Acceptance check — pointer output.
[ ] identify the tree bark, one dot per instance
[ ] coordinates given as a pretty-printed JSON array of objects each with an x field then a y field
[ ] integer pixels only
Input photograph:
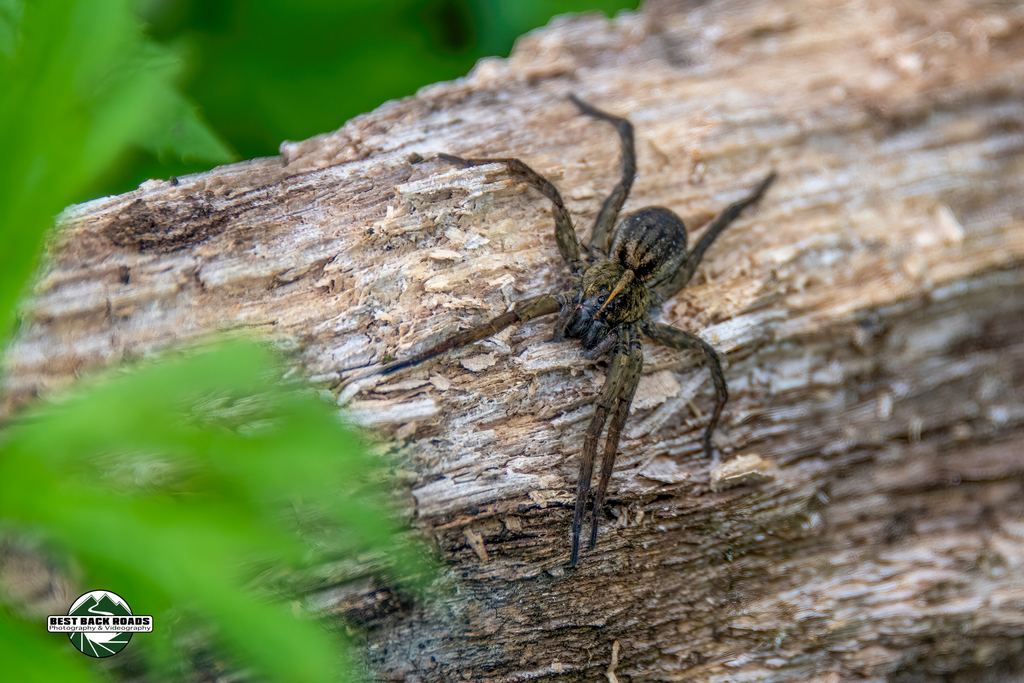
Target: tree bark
[{"x": 870, "y": 315}]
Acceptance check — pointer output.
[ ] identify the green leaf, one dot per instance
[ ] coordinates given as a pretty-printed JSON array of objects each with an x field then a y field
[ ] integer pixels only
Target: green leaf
[
  {"x": 179, "y": 131},
  {"x": 79, "y": 85},
  {"x": 30, "y": 655},
  {"x": 216, "y": 452},
  {"x": 10, "y": 20}
]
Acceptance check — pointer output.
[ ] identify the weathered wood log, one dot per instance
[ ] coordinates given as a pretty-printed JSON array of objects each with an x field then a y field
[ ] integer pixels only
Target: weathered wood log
[{"x": 870, "y": 313}]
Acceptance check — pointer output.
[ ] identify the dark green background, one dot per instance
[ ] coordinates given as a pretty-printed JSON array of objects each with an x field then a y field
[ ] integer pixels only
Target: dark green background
[{"x": 264, "y": 71}]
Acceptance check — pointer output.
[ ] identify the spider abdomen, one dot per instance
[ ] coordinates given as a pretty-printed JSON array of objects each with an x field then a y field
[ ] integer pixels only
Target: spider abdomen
[{"x": 651, "y": 242}]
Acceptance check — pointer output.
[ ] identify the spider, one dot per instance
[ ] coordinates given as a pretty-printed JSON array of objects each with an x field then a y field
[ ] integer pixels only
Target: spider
[{"x": 612, "y": 298}]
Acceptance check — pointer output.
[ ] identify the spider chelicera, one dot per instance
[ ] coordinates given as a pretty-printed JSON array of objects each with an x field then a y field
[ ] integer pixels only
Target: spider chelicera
[{"x": 612, "y": 298}]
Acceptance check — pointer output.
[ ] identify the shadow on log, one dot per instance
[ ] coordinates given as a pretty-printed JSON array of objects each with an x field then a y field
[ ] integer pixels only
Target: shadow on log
[{"x": 870, "y": 313}]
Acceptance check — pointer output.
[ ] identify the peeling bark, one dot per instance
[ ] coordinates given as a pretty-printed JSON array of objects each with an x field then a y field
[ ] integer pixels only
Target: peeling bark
[{"x": 870, "y": 315}]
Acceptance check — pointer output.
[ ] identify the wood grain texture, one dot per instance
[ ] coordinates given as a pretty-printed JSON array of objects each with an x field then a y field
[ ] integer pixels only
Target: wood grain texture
[{"x": 870, "y": 315}]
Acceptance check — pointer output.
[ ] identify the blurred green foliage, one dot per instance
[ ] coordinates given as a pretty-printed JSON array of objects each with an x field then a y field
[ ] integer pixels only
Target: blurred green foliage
[
  {"x": 165, "y": 484},
  {"x": 264, "y": 71},
  {"x": 79, "y": 83}
]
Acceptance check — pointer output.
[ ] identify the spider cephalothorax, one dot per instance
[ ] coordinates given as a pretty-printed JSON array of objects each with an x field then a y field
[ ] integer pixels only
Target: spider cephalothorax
[{"x": 612, "y": 297}]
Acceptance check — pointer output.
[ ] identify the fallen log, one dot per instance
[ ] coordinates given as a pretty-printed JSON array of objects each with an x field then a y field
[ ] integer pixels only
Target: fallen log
[{"x": 870, "y": 314}]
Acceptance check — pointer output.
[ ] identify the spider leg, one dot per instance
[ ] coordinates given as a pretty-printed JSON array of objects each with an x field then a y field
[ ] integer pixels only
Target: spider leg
[
  {"x": 565, "y": 234},
  {"x": 627, "y": 360},
  {"x": 684, "y": 341},
  {"x": 722, "y": 220},
  {"x": 586, "y": 472},
  {"x": 524, "y": 310},
  {"x": 600, "y": 237},
  {"x": 611, "y": 447}
]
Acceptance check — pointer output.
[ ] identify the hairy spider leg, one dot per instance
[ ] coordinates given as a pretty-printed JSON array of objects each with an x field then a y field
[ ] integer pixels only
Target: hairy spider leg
[
  {"x": 615, "y": 425},
  {"x": 524, "y": 310},
  {"x": 624, "y": 370},
  {"x": 674, "y": 338},
  {"x": 720, "y": 223},
  {"x": 601, "y": 235},
  {"x": 565, "y": 234}
]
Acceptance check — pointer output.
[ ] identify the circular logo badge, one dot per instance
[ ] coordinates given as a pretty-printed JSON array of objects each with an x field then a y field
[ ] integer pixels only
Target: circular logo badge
[{"x": 100, "y": 624}]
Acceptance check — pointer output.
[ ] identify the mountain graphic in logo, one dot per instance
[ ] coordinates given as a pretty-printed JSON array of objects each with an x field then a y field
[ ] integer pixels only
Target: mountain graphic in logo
[
  {"x": 107, "y": 604},
  {"x": 100, "y": 604}
]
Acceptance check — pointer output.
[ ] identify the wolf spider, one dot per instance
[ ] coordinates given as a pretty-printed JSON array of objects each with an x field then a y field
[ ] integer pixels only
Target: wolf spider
[{"x": 612, "y": 297}]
